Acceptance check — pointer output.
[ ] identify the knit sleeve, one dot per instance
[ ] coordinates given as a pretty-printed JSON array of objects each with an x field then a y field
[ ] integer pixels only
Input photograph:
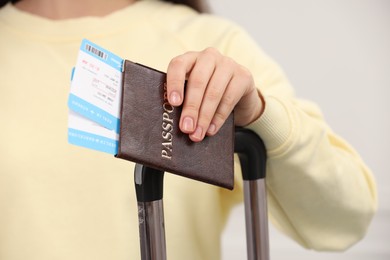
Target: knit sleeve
[{"x": 320, "y": 192}]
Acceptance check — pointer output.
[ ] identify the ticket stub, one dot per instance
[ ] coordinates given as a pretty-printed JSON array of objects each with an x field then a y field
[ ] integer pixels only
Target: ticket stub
[
  {"x": 96, "y": 85},
  {"x": 94, "y": 99},
  {"x": 87, "y": 133}
]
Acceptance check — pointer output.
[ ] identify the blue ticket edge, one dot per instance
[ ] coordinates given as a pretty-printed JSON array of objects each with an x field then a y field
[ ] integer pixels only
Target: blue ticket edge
[
  {"x": 87, "y": 109},
  {"x": 92, "y": 141},
  {"x": 93, "y": 113}
]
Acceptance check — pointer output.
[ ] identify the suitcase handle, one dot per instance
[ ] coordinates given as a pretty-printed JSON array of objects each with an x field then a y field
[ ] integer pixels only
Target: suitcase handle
[
  {"x": 253, "y": 157},
  {"x": 149, "y": 189}
]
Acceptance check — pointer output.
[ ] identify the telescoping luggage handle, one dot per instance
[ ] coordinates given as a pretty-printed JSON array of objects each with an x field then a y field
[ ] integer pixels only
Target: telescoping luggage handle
[
  {"x": 149, "y": 190},
  {"x": 251, "y": 151}
]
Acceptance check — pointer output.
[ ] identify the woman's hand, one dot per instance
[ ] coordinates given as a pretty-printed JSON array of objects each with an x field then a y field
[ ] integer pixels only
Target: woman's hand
[{"x": 216, "y": 85}]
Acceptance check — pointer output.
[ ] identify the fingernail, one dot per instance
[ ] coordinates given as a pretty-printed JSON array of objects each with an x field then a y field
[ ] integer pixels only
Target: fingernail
[
  {"x": 211, "y": 129},
  {"x": 174, "y": 98},
  {"x": 188, "y": 124},
  {"x": 198, "y": 133}
]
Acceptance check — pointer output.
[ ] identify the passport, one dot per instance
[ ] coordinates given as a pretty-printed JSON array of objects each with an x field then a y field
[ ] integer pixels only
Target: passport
[{"x": 150, "y": 135}]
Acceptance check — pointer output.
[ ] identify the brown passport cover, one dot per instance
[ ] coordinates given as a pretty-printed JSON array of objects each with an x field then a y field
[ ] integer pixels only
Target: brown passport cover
[{"x": 150, "y": 135}]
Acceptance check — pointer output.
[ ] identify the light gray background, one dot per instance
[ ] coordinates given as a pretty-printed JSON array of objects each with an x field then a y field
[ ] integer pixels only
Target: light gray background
[{"x": 336, "y": 53}]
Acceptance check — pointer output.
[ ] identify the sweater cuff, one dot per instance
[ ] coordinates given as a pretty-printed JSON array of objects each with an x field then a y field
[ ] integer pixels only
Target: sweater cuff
[{"x": 275, "y": 125}]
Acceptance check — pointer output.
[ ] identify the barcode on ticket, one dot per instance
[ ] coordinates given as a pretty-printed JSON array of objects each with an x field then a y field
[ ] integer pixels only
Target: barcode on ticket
[{"x": 96, "y": 51}]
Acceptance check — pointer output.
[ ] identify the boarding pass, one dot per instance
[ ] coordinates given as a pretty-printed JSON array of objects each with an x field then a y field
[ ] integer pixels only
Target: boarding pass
[{"x": 94, "y": 99}]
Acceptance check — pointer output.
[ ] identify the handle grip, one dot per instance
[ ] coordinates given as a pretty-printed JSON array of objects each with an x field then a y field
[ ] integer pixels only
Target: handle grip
[
  {"x": 148, "y": 183},
  {"x": 252, "y": 153}
]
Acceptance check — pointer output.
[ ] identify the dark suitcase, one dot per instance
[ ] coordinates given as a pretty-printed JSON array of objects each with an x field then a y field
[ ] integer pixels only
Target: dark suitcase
[{"x": 149, "y": 190}]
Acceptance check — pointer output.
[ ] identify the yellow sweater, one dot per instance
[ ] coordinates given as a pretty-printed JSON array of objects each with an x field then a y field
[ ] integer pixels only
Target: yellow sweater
[{"x": 59, "y": 201}]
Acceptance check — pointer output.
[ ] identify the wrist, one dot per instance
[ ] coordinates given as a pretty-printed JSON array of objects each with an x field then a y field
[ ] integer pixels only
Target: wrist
[
  {"x": 259, "y": 109},
  {"x": 262, "y": 102}
]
